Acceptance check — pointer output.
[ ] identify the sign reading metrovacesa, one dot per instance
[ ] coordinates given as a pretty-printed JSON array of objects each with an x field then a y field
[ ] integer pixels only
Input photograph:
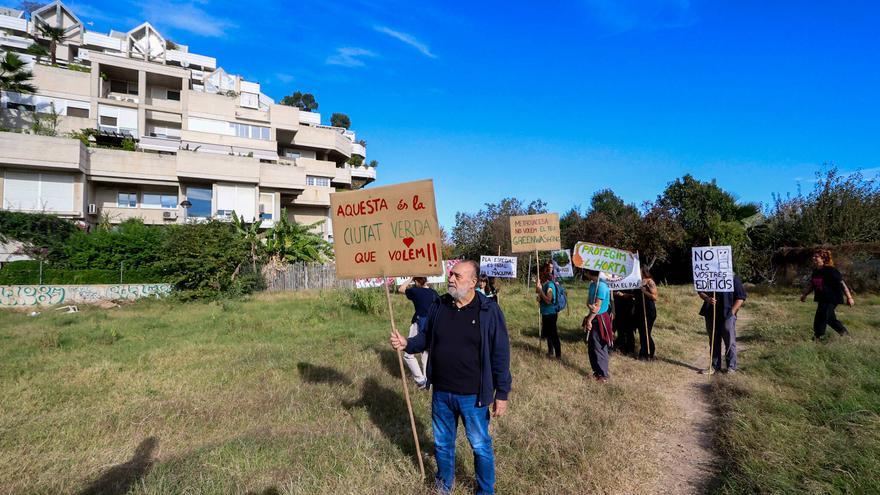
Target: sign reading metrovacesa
[
  {"x": 386, "y": 231},
  {"x": 498, "y": 266},
  {"x": 617, "y": 263},
  {"x": 535, "y": 232},
  {"x": 713, "y": 268}
]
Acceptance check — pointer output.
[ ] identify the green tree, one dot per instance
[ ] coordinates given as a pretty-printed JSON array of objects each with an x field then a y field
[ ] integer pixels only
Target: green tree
[
  {"x": 288, "y": 242},
  {"x": 14, "y": 75},
  {"x": 340, "y": 120},
  {"x": 304, "y": 101},
  {"x": 45, "y": 124},
  {"x": 55, "y": 35},
  {"x": 250, "y": 232},
  {"x": 38, "y": 51},
  {"x": 45, "y": 236},
  {"x": 131, "y": 243},
  {"x": 484, "y": 232},
  {"x": 206, "y": 258}
]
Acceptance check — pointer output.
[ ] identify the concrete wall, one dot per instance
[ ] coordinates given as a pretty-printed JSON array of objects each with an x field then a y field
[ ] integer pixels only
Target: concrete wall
[
  {"x": 63, "y": 83},
  {"x": 12, "y": 296}
]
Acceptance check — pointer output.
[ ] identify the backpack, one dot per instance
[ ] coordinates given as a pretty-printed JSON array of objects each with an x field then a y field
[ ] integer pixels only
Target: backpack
[{"x": 561, "y": 297}]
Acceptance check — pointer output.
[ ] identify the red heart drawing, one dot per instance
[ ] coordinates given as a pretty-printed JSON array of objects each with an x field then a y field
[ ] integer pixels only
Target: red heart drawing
[{"x": 408, "y": 241}]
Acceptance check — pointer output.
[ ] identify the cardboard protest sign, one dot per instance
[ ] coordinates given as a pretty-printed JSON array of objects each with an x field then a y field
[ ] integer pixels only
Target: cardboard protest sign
[
  {"x": 562, "y": 267},
  {"x": 450, "y": 264},
  {"x": 535, "y": 232},
  {"x": 616, "y": 263},
  {"x": 713, "y": 268},
  {"x": 498, "y": 266},
  {"x": 631, "y": 281},
  {"x": 385, "y": 231}
]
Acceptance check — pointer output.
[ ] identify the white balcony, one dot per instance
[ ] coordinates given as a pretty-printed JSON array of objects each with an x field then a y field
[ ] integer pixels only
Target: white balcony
[
  {"x": 14, "y": 23},
  {"x": 187, "y": 59},
  {"x": 358, "y": 149},
  {"x": 13, "y": 41},
  {"x": 311, "y": 118},
  {"x": 363, "y": 172},
  {"x": 102, "y": 40}
]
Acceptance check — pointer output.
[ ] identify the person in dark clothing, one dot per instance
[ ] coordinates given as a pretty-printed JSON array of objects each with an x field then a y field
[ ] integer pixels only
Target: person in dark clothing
[
  {"x": 547, "y": 292},
  {"x": 726, "y": 306},
  {"x": 646, "y": 314},
  {"x": 624, "y": 321},
  {"x": 826, "y": 282},
  {"x": 469, "y": 369},
  {"x": 422, "y": 298}
]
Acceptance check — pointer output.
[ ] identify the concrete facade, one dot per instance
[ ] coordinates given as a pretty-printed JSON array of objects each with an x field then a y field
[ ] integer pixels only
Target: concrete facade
[{"x": 202, "y": 136}]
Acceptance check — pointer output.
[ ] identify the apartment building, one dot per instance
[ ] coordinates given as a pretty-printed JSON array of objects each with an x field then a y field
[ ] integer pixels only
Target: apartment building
[{"x": 177, "y": 138}]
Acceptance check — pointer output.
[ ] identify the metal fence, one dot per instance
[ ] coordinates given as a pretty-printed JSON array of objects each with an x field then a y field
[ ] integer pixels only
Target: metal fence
[{"x": 302, "y": 276}]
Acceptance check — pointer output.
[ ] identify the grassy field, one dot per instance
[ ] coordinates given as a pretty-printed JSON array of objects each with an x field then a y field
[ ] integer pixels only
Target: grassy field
[{"x": 300, "y": 393}]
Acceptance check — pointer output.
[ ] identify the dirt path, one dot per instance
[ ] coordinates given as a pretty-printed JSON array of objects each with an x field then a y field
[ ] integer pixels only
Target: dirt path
[{"x": 685, "y": 457}]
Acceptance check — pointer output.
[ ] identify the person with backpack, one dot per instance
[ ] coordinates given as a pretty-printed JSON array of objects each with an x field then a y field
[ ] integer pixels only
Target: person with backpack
[
  {"x": 597, "y": 324},
  {"x": 548, "y": 298}
]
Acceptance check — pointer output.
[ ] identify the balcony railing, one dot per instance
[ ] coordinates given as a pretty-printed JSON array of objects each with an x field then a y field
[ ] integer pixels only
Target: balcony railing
[{"x": 15, "y": 23}]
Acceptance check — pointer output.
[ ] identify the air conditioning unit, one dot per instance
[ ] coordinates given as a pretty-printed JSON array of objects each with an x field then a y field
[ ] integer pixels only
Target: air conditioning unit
[
  {"x": 93, "y": 209},
  {"x": 169, "y": 215}
]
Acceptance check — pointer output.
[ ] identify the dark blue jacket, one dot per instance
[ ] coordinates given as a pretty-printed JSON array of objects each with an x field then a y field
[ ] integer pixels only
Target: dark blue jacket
[{"x": 495, "y": 376}]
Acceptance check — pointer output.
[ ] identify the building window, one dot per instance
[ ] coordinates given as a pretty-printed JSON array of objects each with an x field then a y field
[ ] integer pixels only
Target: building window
[
  {"x": 159, "y": 200},
  {"x": 267, "y": 206},
  {"x": 106, "y": 120},
  {"x": 27, "y": 191},
  {"x": 126, "y": 200},
  {"x": 21, "y": 106},
  {"x": 174, "y": 95},
  {"x": 317, "y": 181},
  {"x": 78, "y": 112},
  {"x": 250, "y": 131},
  {"x": 201, "y": 199},
  {"x": 292, "y": 154},
  {"x": 239, "y": 198},
  {"x": 124, "y": 87}
]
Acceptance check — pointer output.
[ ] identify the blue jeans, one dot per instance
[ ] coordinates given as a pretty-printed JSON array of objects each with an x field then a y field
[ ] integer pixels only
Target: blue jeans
[{"x": 446, "y": 408}]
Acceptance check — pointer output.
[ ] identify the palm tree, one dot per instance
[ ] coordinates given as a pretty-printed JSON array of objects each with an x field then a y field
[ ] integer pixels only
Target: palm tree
[
  {"x": 288, "y": 242},
  {"x": 55, "y": 35},
  {"x": 251, "y": 234},
  {"x": 14, "y": 75}
]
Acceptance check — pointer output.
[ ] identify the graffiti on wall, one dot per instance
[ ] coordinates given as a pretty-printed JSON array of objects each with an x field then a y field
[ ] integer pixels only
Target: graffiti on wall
[{"x": 48, "y": 295}]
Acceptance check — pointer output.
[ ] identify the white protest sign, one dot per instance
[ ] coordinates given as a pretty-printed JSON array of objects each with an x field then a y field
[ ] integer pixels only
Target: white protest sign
[
  {"x": 631, "y": 281},
  {"x": 713, "y": 268},
  {"x": 498, "y": 266},
  {"x": 617, "y": 263},
  {"x": 434, "y": 279},
  {"x": 369, "y": 283},
  {"x": 562, "y": 266}
]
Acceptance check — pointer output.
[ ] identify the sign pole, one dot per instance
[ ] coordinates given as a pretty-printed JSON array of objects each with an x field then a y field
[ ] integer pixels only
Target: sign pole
[
  {"x": 645, "y": 313},
  {"x": 538, "y": 278},
  {"x": 412, "y": 420},
  {"x": 712, "y": 335}
]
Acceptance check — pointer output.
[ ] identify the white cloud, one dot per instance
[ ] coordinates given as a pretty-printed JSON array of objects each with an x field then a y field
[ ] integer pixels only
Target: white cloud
[
  {"x": 408, "y": 39},
  {"x": 349, "y": 57},
  {"x": 185, "y": 16},
  {"x": 285, "y": 78}
]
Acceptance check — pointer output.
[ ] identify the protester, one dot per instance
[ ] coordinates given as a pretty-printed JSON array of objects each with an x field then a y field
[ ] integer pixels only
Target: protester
[
  {"x": 548, "y": 293},
  {"x": 490, "y": 290},
  {"x": 829, "y": 290},
  {"x": 469, "y": 368},
  {"x": 624, "y": 321},
  {"x": 646, "y": 314},
  {"x": 597, "y": 324},
  {"x": 727, "y": 305},
  {"x": 422, "y": 298}
]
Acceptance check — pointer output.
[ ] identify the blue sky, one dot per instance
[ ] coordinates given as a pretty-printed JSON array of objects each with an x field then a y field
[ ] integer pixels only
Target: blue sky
[{"x": 555, "y": 100}]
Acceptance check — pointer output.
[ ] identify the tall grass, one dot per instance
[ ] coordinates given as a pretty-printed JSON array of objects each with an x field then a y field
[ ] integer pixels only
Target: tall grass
[{"x": 299, "y": 393}]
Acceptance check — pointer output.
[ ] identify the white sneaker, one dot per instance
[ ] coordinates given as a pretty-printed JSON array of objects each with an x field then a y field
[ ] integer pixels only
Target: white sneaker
[{"x": 422, "y": 385}]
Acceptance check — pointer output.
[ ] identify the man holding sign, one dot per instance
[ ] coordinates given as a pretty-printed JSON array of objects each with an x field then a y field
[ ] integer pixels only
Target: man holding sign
[
  {"x": 469, "y": 368},
  {"x": 722, "y": 291}
]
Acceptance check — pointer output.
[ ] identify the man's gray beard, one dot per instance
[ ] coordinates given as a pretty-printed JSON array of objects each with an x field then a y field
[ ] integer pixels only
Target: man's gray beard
[{"x": 457, "y": 294}]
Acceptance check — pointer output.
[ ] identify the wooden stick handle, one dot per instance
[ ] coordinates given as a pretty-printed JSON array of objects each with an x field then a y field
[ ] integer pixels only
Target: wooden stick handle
[{"x": 412, "y": 419}]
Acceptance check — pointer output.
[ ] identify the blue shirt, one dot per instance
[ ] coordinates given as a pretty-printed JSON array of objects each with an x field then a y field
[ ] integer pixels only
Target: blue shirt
[
  {"x": 422, "y": 298},
  {"x": 604, "y": 294},
  {"x": 549, "y": 308}
]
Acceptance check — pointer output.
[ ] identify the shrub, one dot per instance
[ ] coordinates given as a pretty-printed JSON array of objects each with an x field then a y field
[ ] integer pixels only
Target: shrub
[
  {"x": 47, "y": 234},
  {"x": 369, "y": 301},
  {"x": 206, "y": 258}
]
